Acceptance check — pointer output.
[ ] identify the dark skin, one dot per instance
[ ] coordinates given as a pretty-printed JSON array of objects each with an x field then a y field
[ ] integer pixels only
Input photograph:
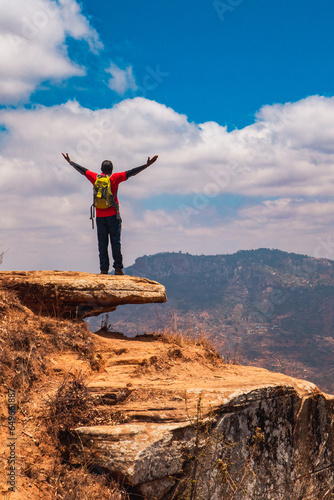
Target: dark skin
[{"x": 148, "y": 163}]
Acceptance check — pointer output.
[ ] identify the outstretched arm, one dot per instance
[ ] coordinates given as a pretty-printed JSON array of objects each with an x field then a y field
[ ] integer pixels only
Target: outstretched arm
[
  {"x": 79, "y": 168},
  {"x": 135, "y": 171}
]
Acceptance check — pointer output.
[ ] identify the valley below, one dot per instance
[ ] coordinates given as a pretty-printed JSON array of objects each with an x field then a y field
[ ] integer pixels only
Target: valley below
[{"x": 264, "y": 308}]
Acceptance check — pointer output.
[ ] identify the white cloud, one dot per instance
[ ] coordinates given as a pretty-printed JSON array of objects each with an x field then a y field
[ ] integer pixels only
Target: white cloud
[
  {"x": 77, "y": 25},
  {"x": 33, "y": 44},
  {"x": 122, "y": 79},
  {"x": 286, "y": 158},
  {"x": 300, "y": 226}
]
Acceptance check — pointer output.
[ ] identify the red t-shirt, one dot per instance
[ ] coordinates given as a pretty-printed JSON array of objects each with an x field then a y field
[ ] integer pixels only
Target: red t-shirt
[{"x": 115, "y": 180}]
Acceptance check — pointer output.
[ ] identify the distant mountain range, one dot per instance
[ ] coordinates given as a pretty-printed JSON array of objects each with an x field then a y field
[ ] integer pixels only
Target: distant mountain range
[{"x": 262, "y": 307}]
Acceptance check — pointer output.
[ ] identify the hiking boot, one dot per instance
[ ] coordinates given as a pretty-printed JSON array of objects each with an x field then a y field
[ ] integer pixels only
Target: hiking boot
[
  {"x": 104, "y": 272},
  {"x": 119, "y": 271}
]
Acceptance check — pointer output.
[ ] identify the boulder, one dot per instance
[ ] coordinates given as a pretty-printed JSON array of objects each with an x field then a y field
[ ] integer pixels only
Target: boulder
[
  {"x": 75, "y": 294},
  {"x": 194, "y": 427}
]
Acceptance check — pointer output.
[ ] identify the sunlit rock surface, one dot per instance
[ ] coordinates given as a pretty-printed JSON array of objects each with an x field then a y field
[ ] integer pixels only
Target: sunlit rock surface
[
  {"x": 191, "y": 421},
  {"x": 74, "y": 294}
]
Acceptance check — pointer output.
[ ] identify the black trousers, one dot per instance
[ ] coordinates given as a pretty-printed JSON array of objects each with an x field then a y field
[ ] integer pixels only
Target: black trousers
[{"x": 109, "y": 227}]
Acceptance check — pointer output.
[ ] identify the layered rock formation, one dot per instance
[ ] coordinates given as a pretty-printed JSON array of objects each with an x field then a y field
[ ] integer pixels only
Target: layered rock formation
[
  {"x": 170, "y": 418},
  {"x": 73, "y": 294},
  {"x": 195, "y": 426}
]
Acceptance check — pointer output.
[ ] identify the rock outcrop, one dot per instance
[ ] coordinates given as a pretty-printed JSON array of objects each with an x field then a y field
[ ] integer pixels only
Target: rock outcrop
[
  {"x": 164, "y": 414},
  {"x": 74, "y": 294},
  {"x": 195, "y": 426}
]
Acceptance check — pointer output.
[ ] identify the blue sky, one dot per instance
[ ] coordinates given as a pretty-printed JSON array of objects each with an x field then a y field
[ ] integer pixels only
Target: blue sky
[
  {"x": 236, "y": 97},
  {"x": 222, "y": 65}
]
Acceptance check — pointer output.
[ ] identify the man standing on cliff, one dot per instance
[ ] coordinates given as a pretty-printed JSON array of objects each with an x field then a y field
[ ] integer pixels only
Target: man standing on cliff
[{"x": 108, "y": 220}]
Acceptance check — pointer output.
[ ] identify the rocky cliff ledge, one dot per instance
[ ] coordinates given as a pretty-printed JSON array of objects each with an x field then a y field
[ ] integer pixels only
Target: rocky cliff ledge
[
  {"x": 194, "y": 427},
  {"x": 73, "y": 294},
  {"x": 163, "y": 414}
]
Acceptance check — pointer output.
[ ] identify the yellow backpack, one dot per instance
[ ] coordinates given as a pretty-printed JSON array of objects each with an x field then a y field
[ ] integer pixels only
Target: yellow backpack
[{"x": 103, "y": 197}]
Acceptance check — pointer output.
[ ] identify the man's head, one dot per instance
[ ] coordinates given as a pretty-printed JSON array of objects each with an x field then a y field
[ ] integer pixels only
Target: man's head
[{"x": 107, "y": 167}]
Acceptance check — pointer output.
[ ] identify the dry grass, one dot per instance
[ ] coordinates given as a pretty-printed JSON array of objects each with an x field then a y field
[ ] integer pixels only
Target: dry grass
[
  {"x": 70, "y": 407},
  {"x": 27, "y": 341},
  {"x": 83, "y": 484},
  {"x": 73, "y": 406},
  {"x": 188, "y": 338}
]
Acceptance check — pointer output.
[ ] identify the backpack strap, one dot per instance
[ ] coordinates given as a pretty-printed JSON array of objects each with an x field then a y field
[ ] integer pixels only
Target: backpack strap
[{"x": 92, "y": 213}]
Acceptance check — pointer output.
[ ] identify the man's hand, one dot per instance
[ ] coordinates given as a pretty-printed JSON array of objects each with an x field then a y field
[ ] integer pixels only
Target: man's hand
[
  {"x": 67, "y": 158},
  {"x": 149, "y": 161}
]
